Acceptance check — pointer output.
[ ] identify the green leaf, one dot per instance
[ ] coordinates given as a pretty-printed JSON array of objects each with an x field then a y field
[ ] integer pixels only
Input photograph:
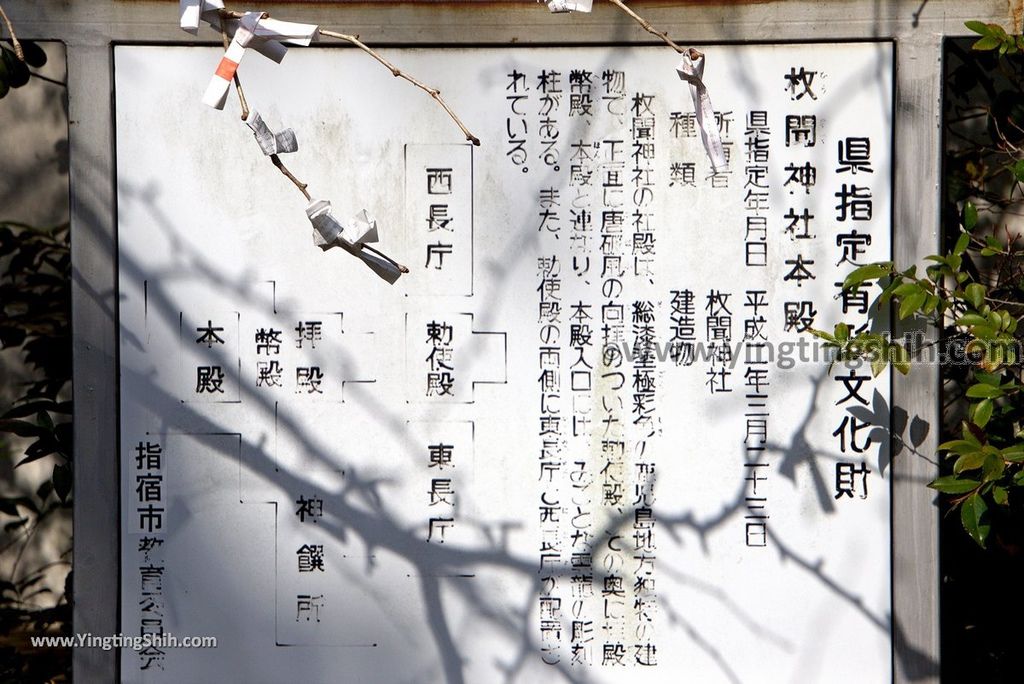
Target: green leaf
[
  {"x": 906, "y": 289},
  {"x": 994, "y": 358},
  {"x": 971, "y": 461},
  {"x": 975, "y": 294},
  {"x": 951, "y": 484},
  {"x": 43, "y": 420},
  {"x": 888, "y": 292},
  {"x": 983, "y": 332},
  {"x": 27, "y": 409},
  {"x": 987, "y": 43},
  {"x": 978, "y": 27},
  {"x": 62, "y": 481},
  {"x": 993, "y": 468},
  {"x": 972, "y": 512},
  {"x": 1008, "y": 320},
  {"x": 878, "y": 364},
  {"x": 970, "y": 216},
  {"x": 972, "y": 319},
  {"x": 868, "y": 272},
  {"x": 1000, "y": 495},
  {"x": 17, "y": 71},
  {"x": 822, "y": 335},
  {"x": 1013, "y": 454},
  {"x": 961, "y": 245},
  {"x": 983, "y": 412},
  {"x": 21, "y": 428},
  {"x": 1018, "y": 173},
  {"x": 35, "y": 454},
  {"x": 900, "y": 358},
  {"x": 34, "y": 55},
  {"x": 959, "y": 446},
  {"x": 971, "y": 434},
  {"x": 911, "y": 304},
  {"x": 983, "y": 391},
  {"x": 988, "y": 378}
]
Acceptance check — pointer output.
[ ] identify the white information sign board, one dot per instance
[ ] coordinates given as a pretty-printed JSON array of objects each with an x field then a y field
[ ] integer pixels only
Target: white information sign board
[{"x": 587, "y": 438}]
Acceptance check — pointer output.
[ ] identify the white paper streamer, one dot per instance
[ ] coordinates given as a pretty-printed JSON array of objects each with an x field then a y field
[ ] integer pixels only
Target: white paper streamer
[
  {"x": 327, "y": 233},
  {"x": 290, "y": 32},
  {"x": 560, "y": 6},
  {"x": 190, "y": 12},
  {"x": 692, "y": 71},
  {"x": 326, "y": 229},
  {"x": 382, "y": 267},
  {"x": 270, "y": 142},
  {"x": 217, "y": 92},
  {"x": 269, "y": 37},
  {"x": 363, "y": 227}
]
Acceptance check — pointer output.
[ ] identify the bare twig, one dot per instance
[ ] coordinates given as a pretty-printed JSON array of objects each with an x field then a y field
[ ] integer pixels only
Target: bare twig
[
  {"x": 395, "y": 71},
  {"x": 694, "y": 54},
  {"x": 14, "y": 39},
  {"x": 302, "y": 188},
  {"x": 996, "y": 300},
  {"x": 48, "y": 79},
  {"x": 241, "y": 98},
  {"x": 288, "y": 174},
  {"x": 916, "y": 16},
  {"x": 21, "y": 552}
]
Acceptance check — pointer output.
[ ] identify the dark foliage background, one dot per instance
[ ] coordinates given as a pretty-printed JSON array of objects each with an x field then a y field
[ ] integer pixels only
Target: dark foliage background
[
  {"x": 35, "y": 321},
  {"x": 35, "y": 409},
  {"x": 984, "y": 165}
]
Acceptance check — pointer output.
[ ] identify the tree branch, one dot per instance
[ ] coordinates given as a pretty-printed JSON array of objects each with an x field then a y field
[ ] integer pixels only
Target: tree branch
[
  {"x": 276, "y": 159},
  {"x": 395, "y": 71},
  {"x": 288, "y": 174},
  {"x": 14, "y": 39},
  {"x": 48, "y": 79},
  {"x": 694, "y": 54}
]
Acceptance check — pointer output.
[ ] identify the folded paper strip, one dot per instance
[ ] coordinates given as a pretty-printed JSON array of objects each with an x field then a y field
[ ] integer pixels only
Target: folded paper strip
[
  {"x": 691, "y": 70},
  {"x": 191, "y": 12},
  {"x": 270, "y": 142},
  {"x": 268, "y": 38},
  {"x": 217, "y": 91},
  {"x": 361, "y": 230},
  {"x": 559, "y": 6}
]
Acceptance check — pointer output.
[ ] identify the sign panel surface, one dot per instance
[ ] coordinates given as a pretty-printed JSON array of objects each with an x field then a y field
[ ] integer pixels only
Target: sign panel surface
[{"x": 587, "y": 438}]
